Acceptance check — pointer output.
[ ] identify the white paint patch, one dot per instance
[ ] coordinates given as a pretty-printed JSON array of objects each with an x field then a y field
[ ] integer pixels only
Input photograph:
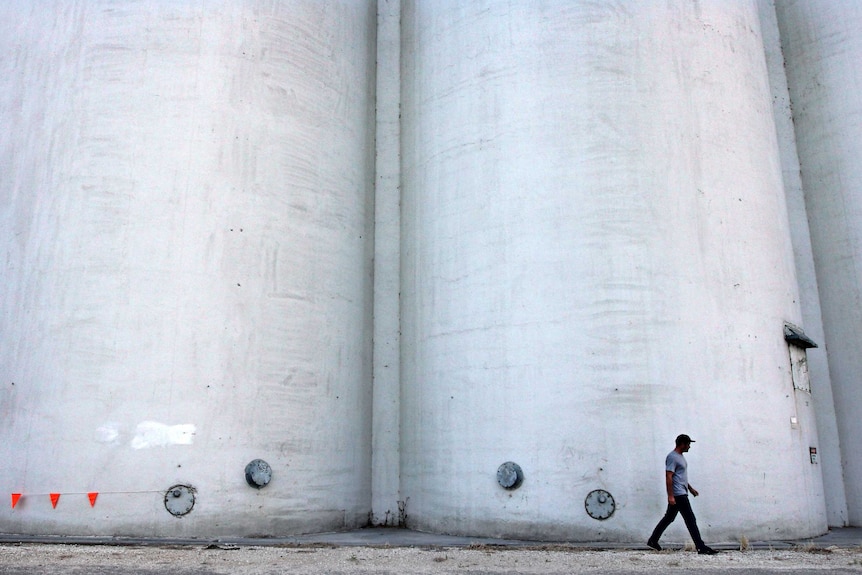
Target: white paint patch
[
  {"x": 108, "y": 433},
  {"x": 155, "y": 434}
]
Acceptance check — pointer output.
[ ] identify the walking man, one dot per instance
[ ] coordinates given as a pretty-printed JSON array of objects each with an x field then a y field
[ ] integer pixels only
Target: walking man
[{"x": 678, "y": 488}]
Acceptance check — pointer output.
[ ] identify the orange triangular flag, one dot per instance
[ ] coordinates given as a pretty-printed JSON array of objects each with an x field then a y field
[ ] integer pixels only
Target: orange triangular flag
[
  {"x": 15, "y": 498},
  {"x": 55, "y": 497},
  {"x": 92, "y": 495}
]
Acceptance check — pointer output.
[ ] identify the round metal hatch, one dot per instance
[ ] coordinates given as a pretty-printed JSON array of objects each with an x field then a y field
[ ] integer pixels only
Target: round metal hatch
[
  {"x": 599, "y": 504},
  {"x": 510, "y": 476},
  {"x": 179, "y": 500},
  {"x": 258, "y": 473}
]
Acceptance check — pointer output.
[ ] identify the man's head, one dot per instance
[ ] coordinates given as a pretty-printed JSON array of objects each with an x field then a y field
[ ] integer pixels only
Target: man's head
[{"x": 683, "y": 442}]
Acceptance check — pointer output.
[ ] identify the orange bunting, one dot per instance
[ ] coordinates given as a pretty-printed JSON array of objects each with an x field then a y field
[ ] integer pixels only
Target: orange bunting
[
  {"x": 15, "y": 498},
  {"x": 92, "y": 495},
  {"x": 55, "y": 497}
]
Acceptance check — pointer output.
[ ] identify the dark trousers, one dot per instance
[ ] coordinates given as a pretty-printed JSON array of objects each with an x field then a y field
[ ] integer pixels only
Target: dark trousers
[{"x": 683, "y": 507}]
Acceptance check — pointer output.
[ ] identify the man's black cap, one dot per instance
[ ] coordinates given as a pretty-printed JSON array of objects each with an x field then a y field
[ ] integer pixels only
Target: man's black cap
[{"x": 683, "y": 439}]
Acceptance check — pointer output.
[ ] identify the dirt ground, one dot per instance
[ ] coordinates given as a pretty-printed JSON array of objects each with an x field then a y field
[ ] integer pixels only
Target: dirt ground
[{"x": 313, "y": 559}]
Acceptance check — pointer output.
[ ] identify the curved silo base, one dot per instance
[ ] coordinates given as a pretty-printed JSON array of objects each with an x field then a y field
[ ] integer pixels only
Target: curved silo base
[
  {"x": 596, "y": 258},
  {"x": 187, "y": 274}
]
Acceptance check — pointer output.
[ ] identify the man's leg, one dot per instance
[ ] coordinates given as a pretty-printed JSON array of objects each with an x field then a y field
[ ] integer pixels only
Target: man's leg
[
  {"x": 687, "y": 513},
  {"x": 663, "y": 524}
]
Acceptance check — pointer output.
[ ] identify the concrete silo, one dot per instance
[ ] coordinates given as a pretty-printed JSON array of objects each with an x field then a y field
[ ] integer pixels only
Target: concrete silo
[
  {"x": 823, "y": 55},
  {"x": 186, "y": 266},
  {"x": 596, "y": 257},
  {"x": 581, "y": 249}
]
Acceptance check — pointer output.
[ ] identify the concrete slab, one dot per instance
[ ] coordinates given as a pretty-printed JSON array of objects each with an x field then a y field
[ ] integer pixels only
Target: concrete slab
[{"x": 847, "y": 537}]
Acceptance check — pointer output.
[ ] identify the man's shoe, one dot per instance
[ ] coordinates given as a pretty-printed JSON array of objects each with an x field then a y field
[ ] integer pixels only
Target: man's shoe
[
  {"x": 653, "y": 545},
  {"x": 707, "y": 551}
]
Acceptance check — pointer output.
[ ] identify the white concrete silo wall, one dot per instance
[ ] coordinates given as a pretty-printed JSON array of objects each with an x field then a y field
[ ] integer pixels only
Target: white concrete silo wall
[
  {"x": 823, "y": 53},
  {"x": 596, "y": 257},
  {"x": 829, "y": 445},
  {"x": 387, "y": 286},
  {"x": 186, "y": 265}
]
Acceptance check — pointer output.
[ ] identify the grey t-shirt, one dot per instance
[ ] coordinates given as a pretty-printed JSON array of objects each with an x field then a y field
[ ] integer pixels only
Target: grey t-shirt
[{"x": 675, "y": 463}]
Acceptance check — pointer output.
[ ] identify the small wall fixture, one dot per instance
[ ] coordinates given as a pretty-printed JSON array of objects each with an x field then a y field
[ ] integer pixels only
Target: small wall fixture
[
  {"x": 258, "y": 473},
  {"x": 510, "y": 476},
  {"x": 180, "y": 500},
  {"x": 600, "y": 504},
  {"x": 795, "y": 335}
]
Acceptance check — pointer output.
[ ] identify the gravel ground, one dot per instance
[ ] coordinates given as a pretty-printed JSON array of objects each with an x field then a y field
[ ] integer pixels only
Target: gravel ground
[{"x": 99, "y": 559}]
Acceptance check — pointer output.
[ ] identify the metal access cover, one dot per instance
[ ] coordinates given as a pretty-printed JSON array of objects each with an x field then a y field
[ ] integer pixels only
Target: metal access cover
[
  {"x": 509, "y": 475},
  {"x": 179, "y": 500},
  {"x": 258, "y": 473},
  {"x": 599, "y": 504}
]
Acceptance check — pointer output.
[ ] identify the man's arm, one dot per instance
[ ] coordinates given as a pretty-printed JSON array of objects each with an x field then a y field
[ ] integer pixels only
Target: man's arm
[
  {"x": 668, "y": 480},
  {"x": 693, "y": 490}
]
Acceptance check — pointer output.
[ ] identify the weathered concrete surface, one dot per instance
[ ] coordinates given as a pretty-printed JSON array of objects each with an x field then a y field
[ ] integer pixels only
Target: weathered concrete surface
[
  {"x": 823, "y": 54},
  {"x": 596, "y": 257},
  {"x": 829, "y": 440},
  {"x": 185, "y": 199}
]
